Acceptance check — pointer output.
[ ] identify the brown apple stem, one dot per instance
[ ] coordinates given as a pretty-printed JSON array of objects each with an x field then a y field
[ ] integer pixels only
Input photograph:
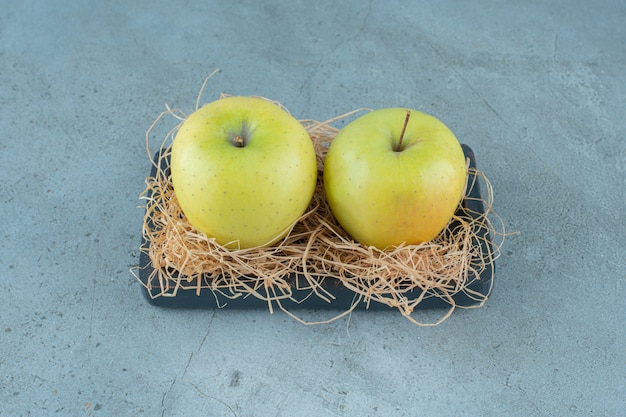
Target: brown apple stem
[
  {"x": 238, "y": 141},
  {"x": 406, "y": 122}
]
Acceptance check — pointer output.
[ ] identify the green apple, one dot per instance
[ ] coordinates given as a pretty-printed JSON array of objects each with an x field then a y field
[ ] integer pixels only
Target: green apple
[
  {"x": 243, "y": 171},
  {"x": 394, "y": 176}
]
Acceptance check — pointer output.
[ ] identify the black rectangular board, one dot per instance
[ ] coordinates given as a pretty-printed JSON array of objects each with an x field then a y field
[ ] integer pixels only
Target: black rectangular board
[{"x": 344, "y": 298}]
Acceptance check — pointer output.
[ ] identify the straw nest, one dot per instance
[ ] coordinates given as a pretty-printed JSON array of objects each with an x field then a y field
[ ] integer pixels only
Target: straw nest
[{"x": 316, "y": 250}]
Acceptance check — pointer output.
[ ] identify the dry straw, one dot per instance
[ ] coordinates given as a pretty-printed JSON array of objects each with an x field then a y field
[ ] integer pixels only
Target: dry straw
[{"x": 316, "y": 250}]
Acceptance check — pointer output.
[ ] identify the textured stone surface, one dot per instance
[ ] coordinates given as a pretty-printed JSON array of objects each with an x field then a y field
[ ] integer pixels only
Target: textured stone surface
[{"x": 537, "y": 89}]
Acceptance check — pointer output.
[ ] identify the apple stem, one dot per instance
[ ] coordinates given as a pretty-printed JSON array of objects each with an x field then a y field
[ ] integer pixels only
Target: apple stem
[
  {"x": 238, "y": 141},
  {"x": 406, "y": 122}
]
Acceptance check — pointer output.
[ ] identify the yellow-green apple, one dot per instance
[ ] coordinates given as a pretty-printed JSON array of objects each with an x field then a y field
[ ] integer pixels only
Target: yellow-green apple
[
  {"x": 394, "y": 176},
  {"x": 243, "y": 171}
]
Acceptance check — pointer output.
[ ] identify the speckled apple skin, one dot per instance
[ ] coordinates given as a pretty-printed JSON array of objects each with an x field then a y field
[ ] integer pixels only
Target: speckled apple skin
[
  {"x": 384, "y": 197},
  {"x": 243, "y": 196}
]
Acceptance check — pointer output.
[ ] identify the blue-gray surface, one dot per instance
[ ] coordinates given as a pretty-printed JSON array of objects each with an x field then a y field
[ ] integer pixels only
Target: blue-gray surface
[{"x": 537, "y": 89}]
